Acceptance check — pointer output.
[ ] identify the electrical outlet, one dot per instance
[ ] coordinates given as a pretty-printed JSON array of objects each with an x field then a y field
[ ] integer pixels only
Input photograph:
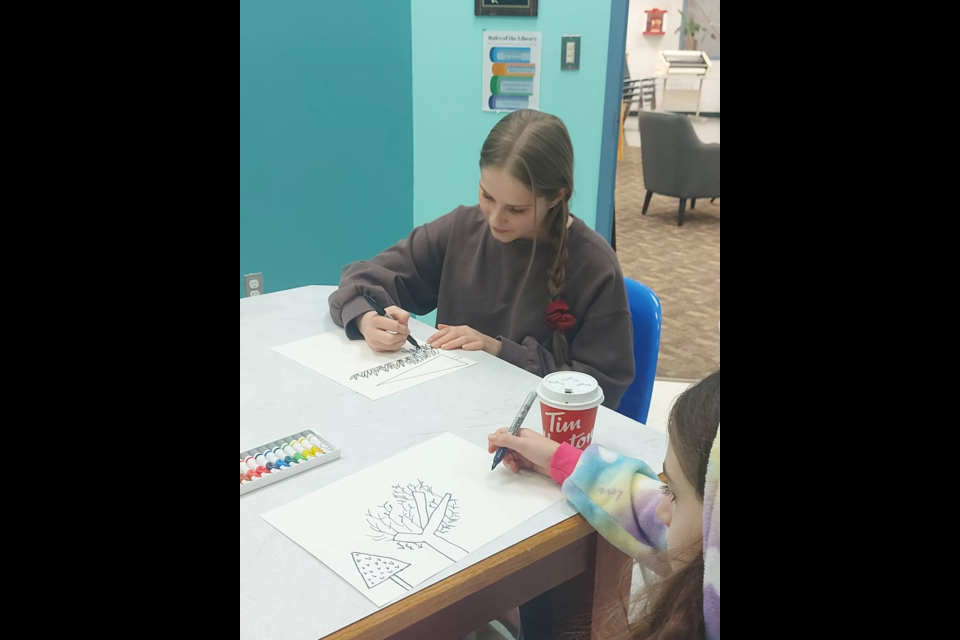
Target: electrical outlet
[{"x": 253, "y": 284}]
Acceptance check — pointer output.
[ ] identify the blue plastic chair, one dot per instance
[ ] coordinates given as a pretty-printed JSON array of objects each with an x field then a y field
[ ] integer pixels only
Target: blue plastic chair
[{"x": 647, "y": 323}]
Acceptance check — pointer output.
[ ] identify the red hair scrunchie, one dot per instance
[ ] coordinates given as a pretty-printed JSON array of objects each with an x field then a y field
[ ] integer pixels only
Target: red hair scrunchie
[{"x": 559, "y": 317}]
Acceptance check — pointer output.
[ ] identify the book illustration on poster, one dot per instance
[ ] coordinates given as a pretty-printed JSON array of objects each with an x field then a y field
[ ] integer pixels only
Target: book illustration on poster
[{"x": 512, "y": 61}]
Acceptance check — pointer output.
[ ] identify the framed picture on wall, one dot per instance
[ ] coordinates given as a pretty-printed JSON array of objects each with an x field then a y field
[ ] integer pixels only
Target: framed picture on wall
[{"x": 507, "y": 8}]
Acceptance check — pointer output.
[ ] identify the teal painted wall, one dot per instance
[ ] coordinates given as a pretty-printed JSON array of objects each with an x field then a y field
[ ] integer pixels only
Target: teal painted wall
[
  {"x": 326, "y": 136},
  {"x": 449, "y": 126}
]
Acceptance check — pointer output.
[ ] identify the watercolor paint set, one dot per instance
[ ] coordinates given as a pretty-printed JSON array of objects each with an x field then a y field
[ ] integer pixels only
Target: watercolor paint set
[{"x": 285, "y": 458}]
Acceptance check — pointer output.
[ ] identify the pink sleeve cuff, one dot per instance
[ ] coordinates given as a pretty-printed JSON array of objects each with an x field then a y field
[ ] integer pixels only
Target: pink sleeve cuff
[{"x": 564, "y": 462}]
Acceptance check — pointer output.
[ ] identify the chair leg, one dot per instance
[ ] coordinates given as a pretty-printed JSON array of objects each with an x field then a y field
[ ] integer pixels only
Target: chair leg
[
  {"x": 683, "y": 212},
  {"x": 613, "y": 239},
  {"x": 694, "y": 204},
  {"x": 646, "y": 205},
  {"x": 712, "y": 201}
]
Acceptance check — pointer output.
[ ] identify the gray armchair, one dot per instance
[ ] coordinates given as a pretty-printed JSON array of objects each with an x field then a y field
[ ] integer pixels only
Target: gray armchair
[{"x": 675, "y": 161}]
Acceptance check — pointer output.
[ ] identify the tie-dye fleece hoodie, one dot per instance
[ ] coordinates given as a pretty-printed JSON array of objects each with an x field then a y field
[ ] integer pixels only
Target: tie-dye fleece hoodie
[{"x": 596, "y": 482}]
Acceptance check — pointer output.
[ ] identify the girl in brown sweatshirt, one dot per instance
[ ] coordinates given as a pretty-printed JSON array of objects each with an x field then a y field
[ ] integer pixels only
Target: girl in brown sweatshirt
[{"x": 516, "y": 276}]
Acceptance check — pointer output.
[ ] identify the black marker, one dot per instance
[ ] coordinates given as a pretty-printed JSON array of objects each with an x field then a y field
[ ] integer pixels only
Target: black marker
[
  {"x": 515, "y": 427},
  {"x": 383, "y": 312}
]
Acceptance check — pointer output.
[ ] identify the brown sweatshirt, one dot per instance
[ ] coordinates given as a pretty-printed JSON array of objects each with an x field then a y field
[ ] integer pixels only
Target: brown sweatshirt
[{"x": 455, "y": 266}]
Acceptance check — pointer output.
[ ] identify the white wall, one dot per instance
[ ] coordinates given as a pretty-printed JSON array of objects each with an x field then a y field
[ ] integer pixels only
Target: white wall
[{"x": 642, "y": 51}]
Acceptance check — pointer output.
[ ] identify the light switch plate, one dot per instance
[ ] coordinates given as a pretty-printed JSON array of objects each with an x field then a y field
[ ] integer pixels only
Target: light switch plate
[
  {"x": 570, "y": 53},
  {"x": 253, "y": 284}
]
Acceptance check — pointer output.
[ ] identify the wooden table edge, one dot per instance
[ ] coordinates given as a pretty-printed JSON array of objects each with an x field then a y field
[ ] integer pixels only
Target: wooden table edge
[{"x": 434, "y": 599}]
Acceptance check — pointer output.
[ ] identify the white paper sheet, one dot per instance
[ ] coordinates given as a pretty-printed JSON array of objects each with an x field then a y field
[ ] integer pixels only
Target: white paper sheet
[
  {"x": 375, "y": 375},
  {"x": 392, "y": 527}
]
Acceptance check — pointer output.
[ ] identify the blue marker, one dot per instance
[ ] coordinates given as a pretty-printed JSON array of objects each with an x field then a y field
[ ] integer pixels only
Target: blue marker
[
  {"x": 281, "y": 455},
  {"x": 262, "y": 461},
  {"x": 275, "y": 461}
]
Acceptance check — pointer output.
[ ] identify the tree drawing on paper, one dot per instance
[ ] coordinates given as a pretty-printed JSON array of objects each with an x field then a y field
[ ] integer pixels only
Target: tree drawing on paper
[
  {"x": 376, "y": 570},
  {"x": 415, "y": 358},
  {"x": 419, "y": 519}
]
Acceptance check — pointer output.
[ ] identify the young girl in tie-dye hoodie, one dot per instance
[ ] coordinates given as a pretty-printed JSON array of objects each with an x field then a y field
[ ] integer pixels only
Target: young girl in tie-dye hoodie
[{"x": 668, "y": 523}]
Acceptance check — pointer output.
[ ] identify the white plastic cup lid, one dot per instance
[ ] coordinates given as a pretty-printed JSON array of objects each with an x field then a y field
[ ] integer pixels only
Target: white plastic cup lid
[{"x": 571, "y": 390}]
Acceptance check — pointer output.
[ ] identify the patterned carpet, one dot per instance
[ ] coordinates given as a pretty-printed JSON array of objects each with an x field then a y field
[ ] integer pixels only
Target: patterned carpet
[{"x": 681, "y": 264}]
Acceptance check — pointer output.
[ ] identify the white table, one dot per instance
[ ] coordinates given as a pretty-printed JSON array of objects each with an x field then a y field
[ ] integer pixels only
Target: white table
[{"x": 285, "y": 593}]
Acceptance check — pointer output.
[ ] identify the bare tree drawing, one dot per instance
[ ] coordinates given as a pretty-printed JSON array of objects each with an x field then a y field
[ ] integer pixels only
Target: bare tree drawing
[{"x": 419, "y": 519}]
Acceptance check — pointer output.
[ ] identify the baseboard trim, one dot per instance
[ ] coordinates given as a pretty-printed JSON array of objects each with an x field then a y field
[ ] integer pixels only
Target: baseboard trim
[{"x": 685, "y": 113}]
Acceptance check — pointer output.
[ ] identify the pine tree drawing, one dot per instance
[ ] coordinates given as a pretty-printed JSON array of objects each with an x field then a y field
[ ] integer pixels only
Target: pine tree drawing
[
  {"x": 377, "y": 570},
  {"x": 419, "y": 519}
]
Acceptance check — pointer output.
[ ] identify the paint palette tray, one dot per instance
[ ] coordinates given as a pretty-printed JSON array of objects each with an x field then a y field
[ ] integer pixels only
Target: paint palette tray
[{"x": 285, "y": 458}]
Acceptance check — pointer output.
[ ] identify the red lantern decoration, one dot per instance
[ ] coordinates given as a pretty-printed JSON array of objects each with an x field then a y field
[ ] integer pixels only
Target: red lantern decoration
[{"x": 655, "y": 19}]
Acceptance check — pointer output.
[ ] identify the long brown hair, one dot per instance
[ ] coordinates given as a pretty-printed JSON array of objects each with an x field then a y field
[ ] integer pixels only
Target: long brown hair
[
  {"x": 535, "y": 148},
  {"x": 673, "y": 608}
]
